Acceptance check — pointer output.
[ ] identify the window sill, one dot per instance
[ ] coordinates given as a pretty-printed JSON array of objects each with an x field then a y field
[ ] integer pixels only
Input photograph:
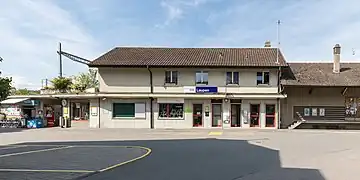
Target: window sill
[
  {"x": 159, "y": 118},
  {"x": 233, "y": 85},
  {"x": 201, "y": 84},
  {"x": 171, "y": 85},
  {"x": 263, "y": 85},
  {"x": 127, "y": 118}
]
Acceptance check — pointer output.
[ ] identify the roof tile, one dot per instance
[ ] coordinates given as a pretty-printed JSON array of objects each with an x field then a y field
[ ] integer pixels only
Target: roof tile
[{"x": 188, "y": 57}]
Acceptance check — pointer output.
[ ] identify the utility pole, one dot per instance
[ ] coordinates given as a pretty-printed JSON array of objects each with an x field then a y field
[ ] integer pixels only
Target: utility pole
[
  {"x": 1, "y": 59},
  {"x": 278, "y": 41},
  {"x": 60, "y": 59}
]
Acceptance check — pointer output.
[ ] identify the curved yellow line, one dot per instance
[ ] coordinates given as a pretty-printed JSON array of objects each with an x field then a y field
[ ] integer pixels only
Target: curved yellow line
[{"x": 129, "y": 161}]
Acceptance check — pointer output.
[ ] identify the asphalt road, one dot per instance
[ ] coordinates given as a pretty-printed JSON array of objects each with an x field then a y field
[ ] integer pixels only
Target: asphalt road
[{"x": 208, "y": 159}]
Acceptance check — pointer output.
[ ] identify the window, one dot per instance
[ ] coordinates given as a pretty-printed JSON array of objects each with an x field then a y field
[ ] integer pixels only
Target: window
[
  {"x": 123, "y": 110},
  {"x": 262, "y": 78},
  {"x": 202, "y": 77},
  {"x": 171, "y": 110},
  {"x": 232, "y": 77},
  {"x": 171, "y": 77}
]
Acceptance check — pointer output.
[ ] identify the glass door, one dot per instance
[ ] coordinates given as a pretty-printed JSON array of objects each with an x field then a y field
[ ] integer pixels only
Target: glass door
[
  {"x": 216, "y": 115},
  {"x": 254, "y": 115},
  {"x": 235, "y": 115},
  {"x": 270, "y": 115},
  {"x": 197, "y": 115}
]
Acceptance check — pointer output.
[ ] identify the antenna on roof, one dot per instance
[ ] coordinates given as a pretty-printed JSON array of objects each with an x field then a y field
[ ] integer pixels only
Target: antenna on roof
[{"x": 278, "y": 40}]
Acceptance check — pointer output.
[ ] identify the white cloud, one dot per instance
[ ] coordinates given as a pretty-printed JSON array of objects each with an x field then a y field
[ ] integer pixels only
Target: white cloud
[
  {"x": 176, "y": 8},
  {"x": 30, "y": 32},
  {"x": 309, "y": 30}
]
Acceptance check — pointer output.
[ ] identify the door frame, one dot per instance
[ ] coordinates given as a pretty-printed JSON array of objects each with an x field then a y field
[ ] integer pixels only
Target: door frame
[
  {"x": 202, "y": 114},
  {"x": 274, "y": 123},
  {"x": 259, "y": 115},
  {"x": 231, "y": 117},
  {"x": 212, "y": 115}
]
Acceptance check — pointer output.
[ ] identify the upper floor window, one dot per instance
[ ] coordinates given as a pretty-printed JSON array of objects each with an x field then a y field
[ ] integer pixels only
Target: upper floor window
[
  {"x": 202, "y": 77},
  {"x": 262, "y": 78},
  {"x": 232, "y": 77},
  {"x": 171, "y": 77}
]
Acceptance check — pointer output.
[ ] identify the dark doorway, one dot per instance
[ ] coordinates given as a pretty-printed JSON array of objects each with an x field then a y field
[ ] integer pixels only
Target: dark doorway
[
  {"x": 254, "y": 115},
  {"x": 197, "y": 115},
  {"x": 235, "y": 115}
]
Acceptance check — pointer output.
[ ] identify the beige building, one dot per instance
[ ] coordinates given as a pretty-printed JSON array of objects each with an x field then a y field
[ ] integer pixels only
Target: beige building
[{"x": 188, "y": 88}]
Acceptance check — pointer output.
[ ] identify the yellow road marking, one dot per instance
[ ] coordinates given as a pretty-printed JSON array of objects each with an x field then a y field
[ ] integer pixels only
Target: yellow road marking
[
  {"x": 148, "y": 151},
  {"x": 46, "y": 170},
  {"x": 215, "y": 133},
  {"x": 35, "y": 151},
  {"x": 12, "y": 147},
  {"x": 129, "y": 161}
]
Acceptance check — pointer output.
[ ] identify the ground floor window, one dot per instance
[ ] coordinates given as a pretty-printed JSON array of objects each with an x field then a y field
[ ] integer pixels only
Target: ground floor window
[
  {"x": 171, "y": 110},
  {"x": 123, "y": 110},
  {"x": 270, "y": 115}
]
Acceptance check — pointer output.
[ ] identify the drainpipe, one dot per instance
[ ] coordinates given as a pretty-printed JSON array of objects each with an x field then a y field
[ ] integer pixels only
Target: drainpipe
[
  {"x": 99, "y": 111},
  {"x": 151, "y": 98}
]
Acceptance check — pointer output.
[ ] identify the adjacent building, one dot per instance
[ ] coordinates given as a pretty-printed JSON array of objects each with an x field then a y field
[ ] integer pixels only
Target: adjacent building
[
  {"x": 321, "y": 94},
  {"x": 188, "y": 87}
]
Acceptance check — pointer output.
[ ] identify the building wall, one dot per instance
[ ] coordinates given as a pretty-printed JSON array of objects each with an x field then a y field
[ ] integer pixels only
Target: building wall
[
  {"x": 106, "y": 120},
  {"x": 299, "y": 96},
  {"x": 126, "y": 80}
]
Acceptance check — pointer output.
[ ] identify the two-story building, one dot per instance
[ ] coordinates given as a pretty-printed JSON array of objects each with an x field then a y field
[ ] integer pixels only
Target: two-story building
[{"x": 188, "y": 88}]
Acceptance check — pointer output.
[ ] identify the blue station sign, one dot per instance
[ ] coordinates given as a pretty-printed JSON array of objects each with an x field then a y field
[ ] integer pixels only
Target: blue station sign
[{"x": 206, "y": 89}]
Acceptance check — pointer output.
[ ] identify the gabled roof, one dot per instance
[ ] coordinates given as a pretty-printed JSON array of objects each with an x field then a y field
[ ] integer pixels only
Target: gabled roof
[
  {"x": 189, "y": 57},
  {"x": 321, "y": 74}
]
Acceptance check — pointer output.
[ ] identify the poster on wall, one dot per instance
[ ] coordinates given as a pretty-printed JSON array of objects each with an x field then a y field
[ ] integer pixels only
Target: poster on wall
[
  {"x": 314, "y": 112},
  {"x": 322, "y": 111},
  {"x": 94, "y": 111},
  {"x": 306, "y": 111}
]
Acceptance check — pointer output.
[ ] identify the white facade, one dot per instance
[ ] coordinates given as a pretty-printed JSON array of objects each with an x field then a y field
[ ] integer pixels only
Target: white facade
[{"x": 132, "y": 85}]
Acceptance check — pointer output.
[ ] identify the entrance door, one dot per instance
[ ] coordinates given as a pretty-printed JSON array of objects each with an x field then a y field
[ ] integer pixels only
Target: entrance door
[
  {"x": 216, "y": 115},
  {"x": 254, "y": 115},
  {"x": 270, "y": 115},
  {"x": 235, "y": 115},
  {"x": 197, "y": 115}
]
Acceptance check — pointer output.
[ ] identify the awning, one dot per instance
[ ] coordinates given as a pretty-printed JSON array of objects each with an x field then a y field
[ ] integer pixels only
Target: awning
[{"x": 13, "y": 100}]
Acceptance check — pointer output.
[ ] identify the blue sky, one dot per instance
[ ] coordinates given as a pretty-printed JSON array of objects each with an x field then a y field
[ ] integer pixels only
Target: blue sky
[{"x": 31, "y": 29}]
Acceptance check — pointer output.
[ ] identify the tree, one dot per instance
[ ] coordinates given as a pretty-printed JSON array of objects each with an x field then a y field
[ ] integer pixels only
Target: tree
[
  {"x": 85, "y": 81},
  {"x": 25, "y": 92},
  {"x": 5, "y": 87},
  {"x": 61, "y": 84}
]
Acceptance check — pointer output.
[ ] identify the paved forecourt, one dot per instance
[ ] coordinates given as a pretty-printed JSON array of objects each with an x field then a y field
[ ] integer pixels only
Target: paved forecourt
[{"x": 64, "y": 161}]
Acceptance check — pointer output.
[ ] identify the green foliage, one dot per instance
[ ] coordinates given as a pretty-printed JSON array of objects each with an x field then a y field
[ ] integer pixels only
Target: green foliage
[
  {"x": 61, "y": 84},
  {"x": 85, "y": 81},
  {"x": 5, "y": 87},
  {"x": 25, "y": 92}
]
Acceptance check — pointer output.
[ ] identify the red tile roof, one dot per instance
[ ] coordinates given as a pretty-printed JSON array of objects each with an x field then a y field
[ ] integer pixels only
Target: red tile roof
[{"x": 189, "y": 57}]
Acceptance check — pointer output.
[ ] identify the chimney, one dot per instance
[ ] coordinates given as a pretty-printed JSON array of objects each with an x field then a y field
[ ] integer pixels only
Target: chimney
[
  {"x": 267, "y": 43},
  {"x": 336, "y": 68}
]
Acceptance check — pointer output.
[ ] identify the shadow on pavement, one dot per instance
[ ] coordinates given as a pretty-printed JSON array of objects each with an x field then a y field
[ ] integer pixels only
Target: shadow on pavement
[{"x": 208, "y": 159}]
